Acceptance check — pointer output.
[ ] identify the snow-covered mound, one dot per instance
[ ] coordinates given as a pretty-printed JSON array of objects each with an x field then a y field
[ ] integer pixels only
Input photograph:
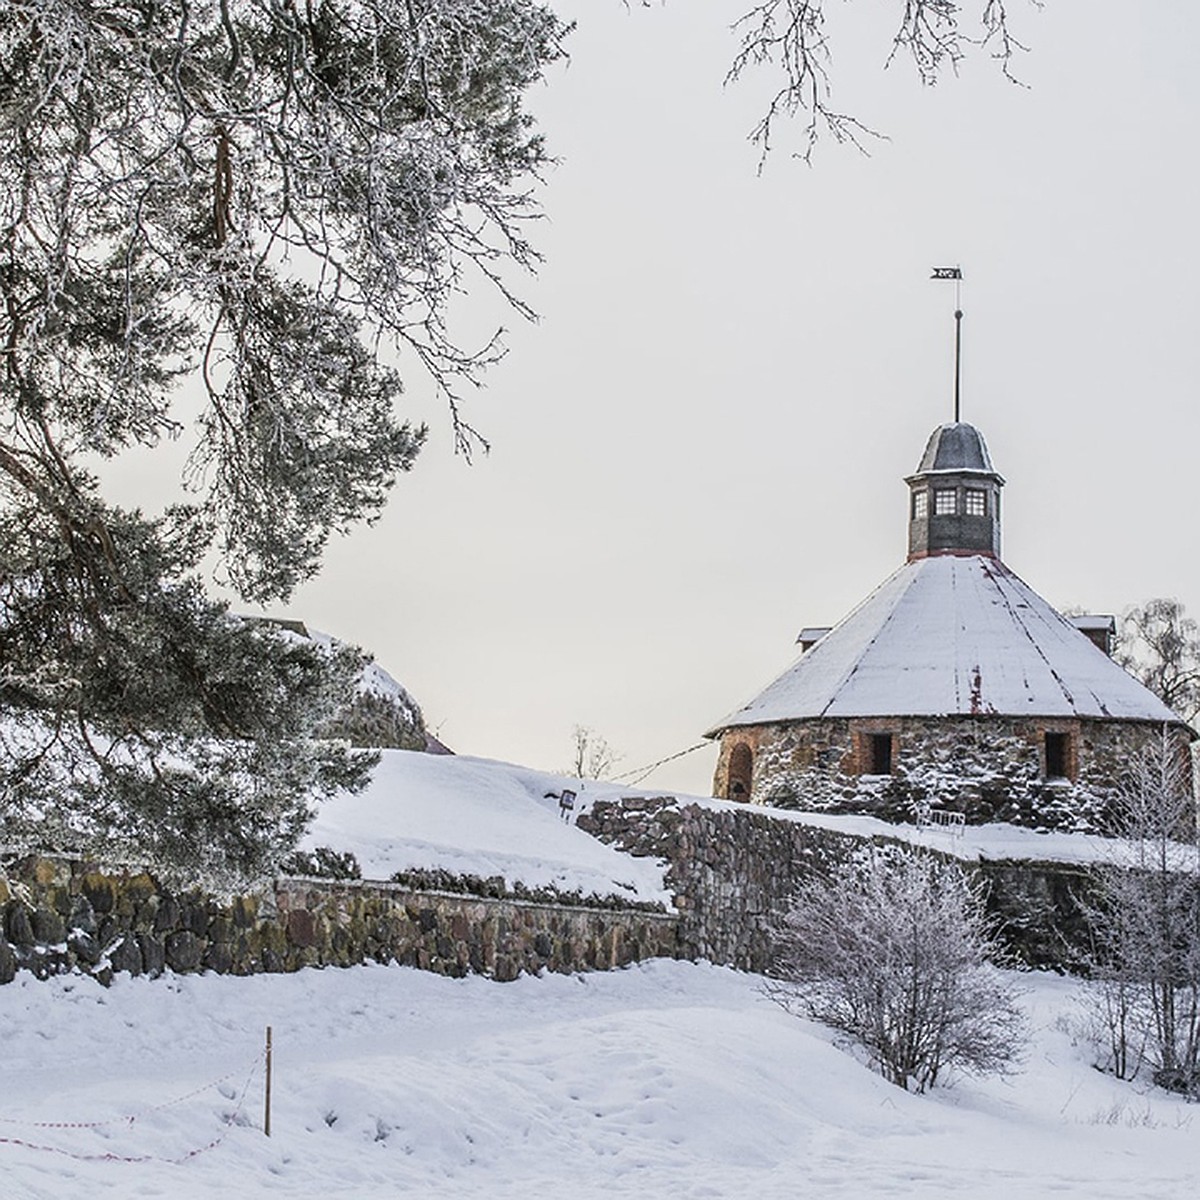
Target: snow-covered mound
[
  {"x": 665, "y": 1080},
  {"x": 377, "y": 684},
  {"x": 383, "y": 711},
  {"x": 472, "y": 816}
]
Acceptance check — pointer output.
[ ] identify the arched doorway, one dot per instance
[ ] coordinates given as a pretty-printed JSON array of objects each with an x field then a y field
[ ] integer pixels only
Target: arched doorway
[{"x": 741, "y": 772}]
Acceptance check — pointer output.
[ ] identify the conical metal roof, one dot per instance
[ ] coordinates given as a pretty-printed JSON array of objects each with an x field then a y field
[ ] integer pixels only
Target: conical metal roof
[{"x": 953, "y": 636}]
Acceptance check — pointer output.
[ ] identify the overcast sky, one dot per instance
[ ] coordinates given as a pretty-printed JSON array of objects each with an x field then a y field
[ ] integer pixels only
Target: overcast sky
[{"x": 700, "y": 447}]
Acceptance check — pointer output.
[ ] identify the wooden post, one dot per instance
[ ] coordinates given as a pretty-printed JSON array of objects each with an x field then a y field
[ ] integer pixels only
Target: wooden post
[{"x": 267, "y": 1095}]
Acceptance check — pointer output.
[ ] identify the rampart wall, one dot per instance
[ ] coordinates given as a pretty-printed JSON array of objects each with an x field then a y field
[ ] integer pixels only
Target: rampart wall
[
  {"x": 730, "y": 868},
  {"x": 733, "y": 868},
  {"x": 58, "y": 915}
]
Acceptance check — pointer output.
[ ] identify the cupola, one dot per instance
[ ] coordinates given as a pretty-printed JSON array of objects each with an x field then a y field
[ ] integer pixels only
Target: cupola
[{"x": 954, "y": 496}]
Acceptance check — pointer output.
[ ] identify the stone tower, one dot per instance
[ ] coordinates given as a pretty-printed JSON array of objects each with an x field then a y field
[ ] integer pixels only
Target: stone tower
[{"x": 954, "y": 686}]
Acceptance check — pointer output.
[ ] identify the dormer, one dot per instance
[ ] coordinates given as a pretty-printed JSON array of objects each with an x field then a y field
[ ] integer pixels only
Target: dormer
[
  {"x": 810, "y": 635},
  {"x": 1099, "y": 629},
  {"x": 954, "y": 496}
]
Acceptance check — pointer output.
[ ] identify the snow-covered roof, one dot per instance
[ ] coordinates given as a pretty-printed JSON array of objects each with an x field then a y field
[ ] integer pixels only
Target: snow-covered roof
[
  {"x": 812, "y": 633},
  {"x": 956, "y": 447},
  {"x": 953, "y": 635},
  {"x": 1102, "y": 621}
]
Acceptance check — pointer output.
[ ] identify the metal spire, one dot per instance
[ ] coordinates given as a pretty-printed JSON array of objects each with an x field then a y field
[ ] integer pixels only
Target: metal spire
[
  {"x": 957, "y": 357},
  {"x": 955, "y": 273}
]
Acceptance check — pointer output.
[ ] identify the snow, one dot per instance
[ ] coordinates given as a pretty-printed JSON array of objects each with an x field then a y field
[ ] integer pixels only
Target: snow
[
  {"x": 476, "y": 817},
  {"x": 969, "y": 843},
  {"x": 473, "y": 816},
  {"x": 373, "y": 680},
  {"x": 667, "y": 1079},
  {"x": 953, "y": 635}
]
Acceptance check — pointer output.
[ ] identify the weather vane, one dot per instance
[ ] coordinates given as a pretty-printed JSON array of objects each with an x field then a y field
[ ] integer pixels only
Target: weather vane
[{"x": 954, "y": 273}]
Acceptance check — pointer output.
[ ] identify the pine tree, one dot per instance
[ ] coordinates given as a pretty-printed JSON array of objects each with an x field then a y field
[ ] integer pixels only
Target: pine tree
[{"x": 243, "y": 198}]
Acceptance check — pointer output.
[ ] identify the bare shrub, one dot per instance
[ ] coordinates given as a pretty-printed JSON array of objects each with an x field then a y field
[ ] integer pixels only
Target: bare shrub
[
  {"x": 893, "y": 950},
  {"x": 1146, "y": 924},
  {"x": 593, "y": 757}
]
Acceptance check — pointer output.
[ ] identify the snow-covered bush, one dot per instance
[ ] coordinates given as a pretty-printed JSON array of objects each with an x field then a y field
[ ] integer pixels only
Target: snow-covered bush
[
  {"x": 893, "y": 950},
  {"x": 321, "y": 863},
  {"x": 378, "y": 721}
]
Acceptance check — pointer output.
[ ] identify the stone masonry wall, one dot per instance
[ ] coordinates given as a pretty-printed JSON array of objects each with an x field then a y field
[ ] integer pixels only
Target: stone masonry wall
[
  {"x": 58, "y": 915},
  {"x": 734, "y": 869},
  {"x": 988, "y": 768}
]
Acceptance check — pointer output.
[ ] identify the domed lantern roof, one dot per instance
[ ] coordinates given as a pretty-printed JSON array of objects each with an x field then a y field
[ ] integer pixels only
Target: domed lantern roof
[{"x": 956, "y": 447}]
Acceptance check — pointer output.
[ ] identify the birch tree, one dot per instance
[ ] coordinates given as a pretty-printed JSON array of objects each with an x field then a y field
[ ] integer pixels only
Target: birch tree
[
  {"x": 1159, "y": 645},
  {"x": 1147, "y": 924}
]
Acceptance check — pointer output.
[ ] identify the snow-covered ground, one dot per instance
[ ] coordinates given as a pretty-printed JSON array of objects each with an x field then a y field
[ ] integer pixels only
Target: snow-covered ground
[
  {"x": 476, "y": 817},
  {"x": 665, "y": 1080}
]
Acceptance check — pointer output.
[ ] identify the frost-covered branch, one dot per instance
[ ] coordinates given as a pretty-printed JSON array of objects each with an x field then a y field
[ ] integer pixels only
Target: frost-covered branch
[
  {"x": 259, "y": 192},
  {"x": 791, "y": 38},
  {"x": 1159, "y": 645},
  {"x": 893, "y": 950},
  {"x": 262, "y": 195},
  {"x": 1146, "y": 924}
]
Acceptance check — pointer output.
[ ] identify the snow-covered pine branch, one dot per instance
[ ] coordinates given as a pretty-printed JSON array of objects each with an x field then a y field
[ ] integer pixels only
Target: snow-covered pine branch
[{"x": 255, "y": 195}]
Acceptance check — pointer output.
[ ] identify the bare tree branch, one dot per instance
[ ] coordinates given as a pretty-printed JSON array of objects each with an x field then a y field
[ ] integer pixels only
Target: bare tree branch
[{"x": 790, "y": 37}]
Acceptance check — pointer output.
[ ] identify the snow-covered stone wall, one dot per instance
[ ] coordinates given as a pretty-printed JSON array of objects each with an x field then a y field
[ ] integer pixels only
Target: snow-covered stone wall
[
  {"x": 59, "y": 915},
  {"x": 733, "y": 870},
  {"x": 988, "y": 768}
]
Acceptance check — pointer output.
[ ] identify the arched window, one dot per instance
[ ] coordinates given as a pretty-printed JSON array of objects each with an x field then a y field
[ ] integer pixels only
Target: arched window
[{"x": 741, "y": 772}]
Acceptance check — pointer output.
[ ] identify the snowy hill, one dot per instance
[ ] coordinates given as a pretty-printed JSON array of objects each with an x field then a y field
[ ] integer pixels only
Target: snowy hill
[
  {"x": 472, "y": 816},
  {"x": 383, "y": 711}
]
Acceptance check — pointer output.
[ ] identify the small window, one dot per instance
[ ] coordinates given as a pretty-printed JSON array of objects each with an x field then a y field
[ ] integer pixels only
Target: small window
[
  {"x": 881, "y": 754},
  {"x": 945, "y": 502},
  {"x": 1056, "y": 756},
  {"x": 975, "y": 503},
  {"x": 920, "y": 505}
]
